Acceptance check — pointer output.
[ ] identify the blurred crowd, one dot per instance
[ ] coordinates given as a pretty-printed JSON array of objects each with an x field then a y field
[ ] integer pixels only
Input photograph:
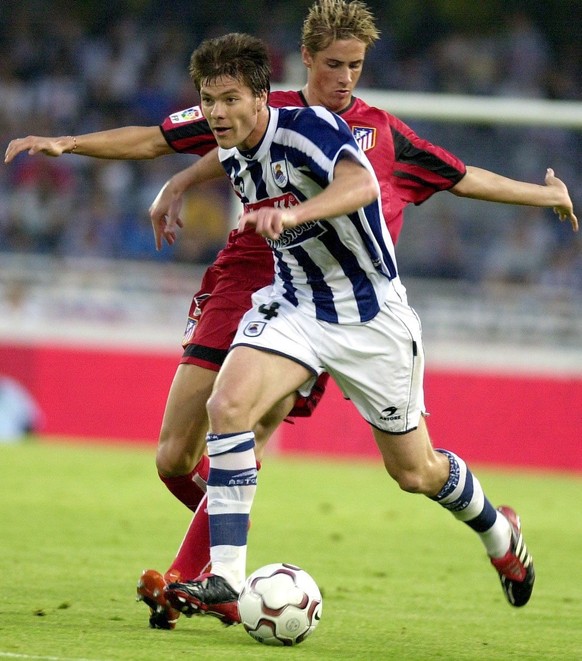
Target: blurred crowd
[{"x": 76, "y": 68}]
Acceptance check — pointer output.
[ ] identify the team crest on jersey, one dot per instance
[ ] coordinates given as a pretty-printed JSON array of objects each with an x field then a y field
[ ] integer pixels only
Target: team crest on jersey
[
  {"x": 254, "y": 328},
  {"x": 189, "y": 332},
  {"x": 365, "y": 137},
  {"x": 280, "y": 174},
  {"x": 239, "y": 186},
  {"x": 188, "y": 115}
]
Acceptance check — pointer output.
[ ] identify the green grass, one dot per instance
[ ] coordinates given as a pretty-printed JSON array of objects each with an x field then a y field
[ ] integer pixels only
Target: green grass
[{"x": 401, "y": 578}]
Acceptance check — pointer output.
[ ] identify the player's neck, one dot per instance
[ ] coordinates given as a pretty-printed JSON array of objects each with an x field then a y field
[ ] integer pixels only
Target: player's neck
[
  {"x": 313, "y": 99},
  {"x": 311, "y": 96}
]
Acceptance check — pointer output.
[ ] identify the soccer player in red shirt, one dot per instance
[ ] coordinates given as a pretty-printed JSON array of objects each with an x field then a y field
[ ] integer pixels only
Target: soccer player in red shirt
[{"x": 336, "y": 36}]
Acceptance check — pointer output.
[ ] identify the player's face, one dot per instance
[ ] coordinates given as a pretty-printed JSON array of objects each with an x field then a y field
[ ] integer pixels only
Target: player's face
[
  {"x": 236, "y": 116},
  {"x": 333, "y": 73}
]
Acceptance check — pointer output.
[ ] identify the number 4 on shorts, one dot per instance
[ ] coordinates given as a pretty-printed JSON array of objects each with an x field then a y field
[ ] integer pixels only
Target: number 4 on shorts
[{"x": 269, "y": 312}]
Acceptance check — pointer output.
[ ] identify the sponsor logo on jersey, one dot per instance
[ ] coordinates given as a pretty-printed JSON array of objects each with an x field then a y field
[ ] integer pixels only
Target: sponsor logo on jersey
[
  {"x": 280, "y": 174},
  {"x": 365, "y": 137},
  {"x": 296, "y": 235},
  {"x": 293, "y": 235},
  {"x": 188, "y": 115},
  {"x": 285, "y": 201},
  {"x": 254, "y": 328}
]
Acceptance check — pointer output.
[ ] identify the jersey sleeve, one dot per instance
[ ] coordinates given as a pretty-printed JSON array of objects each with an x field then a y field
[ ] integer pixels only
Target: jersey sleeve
[
  {"x": 421, "y": 168},
  {"x": 187, "y": 132}
]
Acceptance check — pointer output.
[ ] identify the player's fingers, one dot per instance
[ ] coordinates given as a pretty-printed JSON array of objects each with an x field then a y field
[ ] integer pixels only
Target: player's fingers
[
  {"x": 11, "y": 151},
  {"x": 170, "y": 237},
  {"x": 171, "y": 231},
  {"x": 158, "y": 222},
  {"x": 268, "y": 225},
  {"x": 157, "y": 237},
  {"x": 172, "y": 214},
  {"x": 566, "y": 214},
  {"x": 246, "y": 219}
]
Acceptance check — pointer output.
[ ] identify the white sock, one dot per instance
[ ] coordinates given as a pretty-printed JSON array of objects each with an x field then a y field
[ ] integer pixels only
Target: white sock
[
  {"x": 463, "y": 496},
  {"x": 232, "y": 481}
]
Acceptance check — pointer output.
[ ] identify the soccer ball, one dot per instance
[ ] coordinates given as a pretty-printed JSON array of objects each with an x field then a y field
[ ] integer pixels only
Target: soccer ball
[{"x": 280, "y": 604}]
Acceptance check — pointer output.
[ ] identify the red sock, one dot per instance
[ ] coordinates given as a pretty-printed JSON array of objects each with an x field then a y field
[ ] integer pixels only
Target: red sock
[
  {"x": 189, "y": 489},
  {"x": 194, "y": 552}
]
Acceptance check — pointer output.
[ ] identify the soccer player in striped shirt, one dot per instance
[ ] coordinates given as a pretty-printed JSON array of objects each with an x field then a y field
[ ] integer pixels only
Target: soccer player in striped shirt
[
  {"x": 336, "y": 35},
  {"x": 336, "y": 305}
]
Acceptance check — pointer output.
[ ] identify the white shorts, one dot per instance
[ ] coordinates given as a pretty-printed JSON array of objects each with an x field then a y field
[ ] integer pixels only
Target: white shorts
[{"x": 379, "y": 365}]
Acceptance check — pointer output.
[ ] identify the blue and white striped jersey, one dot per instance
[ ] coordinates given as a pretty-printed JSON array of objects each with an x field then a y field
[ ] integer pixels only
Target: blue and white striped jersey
[{"x": 338, "y": 269}]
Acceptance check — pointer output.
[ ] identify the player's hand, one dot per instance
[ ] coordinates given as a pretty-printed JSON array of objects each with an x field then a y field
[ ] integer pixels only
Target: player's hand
[
  {"x": 268, "y": 221},
  {"x": 165, "y": 215},
  {"x": 565, "y": 209},
  {"x": 34, "y": 144}
]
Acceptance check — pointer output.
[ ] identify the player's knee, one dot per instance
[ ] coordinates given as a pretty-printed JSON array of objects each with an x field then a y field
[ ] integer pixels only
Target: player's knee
[
  {"x": 169, "y": 465},
  {"x": 172, "y": 462},
  {"x": 224, "y": 411},
  {"x": 410, "y": 482}
]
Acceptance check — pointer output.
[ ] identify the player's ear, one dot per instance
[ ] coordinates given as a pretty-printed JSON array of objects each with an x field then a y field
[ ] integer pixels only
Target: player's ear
[
  {"x": 261, "y": 101},
  {"x": 306, "y": 57}
]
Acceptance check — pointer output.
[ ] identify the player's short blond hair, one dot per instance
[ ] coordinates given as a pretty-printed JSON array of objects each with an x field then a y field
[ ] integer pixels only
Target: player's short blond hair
[{"x": 331, "y": 20}]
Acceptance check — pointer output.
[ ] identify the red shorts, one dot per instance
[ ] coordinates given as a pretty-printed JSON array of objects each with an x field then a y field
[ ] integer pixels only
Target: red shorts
[
  {"x": 216, "y": 309},
  {"x": 224, "y": 296}
]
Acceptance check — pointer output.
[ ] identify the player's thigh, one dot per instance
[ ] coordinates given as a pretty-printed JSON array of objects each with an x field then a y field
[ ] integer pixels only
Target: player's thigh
[
  {"x": 251, "y": 382},
  {"x": 379, "y": 366}
]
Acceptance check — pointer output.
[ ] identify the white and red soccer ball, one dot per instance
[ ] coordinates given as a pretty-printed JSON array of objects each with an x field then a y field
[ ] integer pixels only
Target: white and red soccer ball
[{"x": 280, "y": 604}]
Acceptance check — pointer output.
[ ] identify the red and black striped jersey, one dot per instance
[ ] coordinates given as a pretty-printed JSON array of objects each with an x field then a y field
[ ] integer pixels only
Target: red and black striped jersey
[{"x": 187, "y": 132}]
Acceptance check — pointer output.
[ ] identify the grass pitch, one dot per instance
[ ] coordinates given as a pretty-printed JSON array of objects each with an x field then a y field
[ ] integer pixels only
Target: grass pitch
[{"x": 401, "y": 579}]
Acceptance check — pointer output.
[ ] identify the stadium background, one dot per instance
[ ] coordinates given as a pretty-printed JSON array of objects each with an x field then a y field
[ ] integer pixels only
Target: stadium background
[{"x": 91, "y": 315}]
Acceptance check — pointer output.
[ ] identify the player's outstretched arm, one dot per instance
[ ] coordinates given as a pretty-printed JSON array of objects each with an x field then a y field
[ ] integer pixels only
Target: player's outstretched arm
[
  {"x": 125, "y": 143},
  {"x": 482, "y": 184},
  {"x": 165, "y": 209}
]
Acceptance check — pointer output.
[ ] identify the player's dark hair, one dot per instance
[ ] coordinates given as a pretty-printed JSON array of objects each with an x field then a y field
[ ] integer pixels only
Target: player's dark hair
[
  {"x": 331, "y": 20},
  {"x": 236, "y": 55}
]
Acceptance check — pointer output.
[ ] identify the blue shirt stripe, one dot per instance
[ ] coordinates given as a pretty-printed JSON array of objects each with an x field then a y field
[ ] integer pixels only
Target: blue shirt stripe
[
  {"x": 322, "y": 295},
  {"x": 364, "y": 292}
]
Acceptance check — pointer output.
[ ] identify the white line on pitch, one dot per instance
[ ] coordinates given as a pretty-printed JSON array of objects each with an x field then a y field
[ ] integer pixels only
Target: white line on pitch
[{"x": 13, "y": 655}]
